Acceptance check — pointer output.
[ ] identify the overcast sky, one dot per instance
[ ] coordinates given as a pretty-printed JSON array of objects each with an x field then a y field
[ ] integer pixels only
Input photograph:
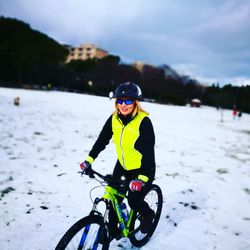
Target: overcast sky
[{"x": 206, "y": 39}]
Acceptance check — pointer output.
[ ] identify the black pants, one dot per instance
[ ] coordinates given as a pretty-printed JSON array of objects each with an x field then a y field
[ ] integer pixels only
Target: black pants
[{"x": 136, "y": 198}]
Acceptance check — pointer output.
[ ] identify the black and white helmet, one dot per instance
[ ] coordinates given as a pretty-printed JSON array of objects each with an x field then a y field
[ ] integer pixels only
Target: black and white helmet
[{"x": 128, "y": 89}]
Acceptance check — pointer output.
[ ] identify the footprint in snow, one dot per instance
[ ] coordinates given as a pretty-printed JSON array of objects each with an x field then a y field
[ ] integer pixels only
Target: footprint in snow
[{"x": 184, "y": 208}]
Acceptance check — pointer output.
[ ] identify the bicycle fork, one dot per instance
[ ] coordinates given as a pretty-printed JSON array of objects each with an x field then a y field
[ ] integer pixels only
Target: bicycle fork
[
  {"x": 84, "y": 236},
  {"x": 99, "y": 234}
]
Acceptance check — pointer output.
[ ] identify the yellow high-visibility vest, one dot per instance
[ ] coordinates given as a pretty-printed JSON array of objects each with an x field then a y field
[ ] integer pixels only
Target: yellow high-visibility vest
[{"x": 125, "y": 138}]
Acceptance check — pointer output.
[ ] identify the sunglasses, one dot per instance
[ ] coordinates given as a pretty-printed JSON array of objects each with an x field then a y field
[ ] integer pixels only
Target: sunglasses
[{"x": 126, "y": 101}]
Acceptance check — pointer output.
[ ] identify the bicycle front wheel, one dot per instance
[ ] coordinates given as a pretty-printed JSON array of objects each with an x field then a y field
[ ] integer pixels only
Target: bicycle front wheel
[
  {"x": 87, "y": 233},
  {"x": 154, "y": 199}
]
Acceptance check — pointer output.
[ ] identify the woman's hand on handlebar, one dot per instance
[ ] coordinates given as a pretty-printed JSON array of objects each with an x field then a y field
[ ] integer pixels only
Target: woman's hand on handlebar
[
  {"x": 85, "y": 165},
  {"x": 86, "y": 169}
]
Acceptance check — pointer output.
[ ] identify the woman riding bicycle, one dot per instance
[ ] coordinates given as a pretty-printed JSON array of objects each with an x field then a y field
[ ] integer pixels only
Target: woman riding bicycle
[{"x": 132, "y": 132}]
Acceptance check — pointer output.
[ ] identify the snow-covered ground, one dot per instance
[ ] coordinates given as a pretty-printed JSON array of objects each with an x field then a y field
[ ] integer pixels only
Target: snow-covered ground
[{"x": 203, "y": 168}]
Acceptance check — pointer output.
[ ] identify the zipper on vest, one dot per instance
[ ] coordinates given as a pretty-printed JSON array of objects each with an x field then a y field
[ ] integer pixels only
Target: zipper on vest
[{"x": 123, "y": 161}]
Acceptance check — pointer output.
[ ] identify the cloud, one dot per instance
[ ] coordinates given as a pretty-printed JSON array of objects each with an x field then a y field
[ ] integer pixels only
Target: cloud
[{"x": 209, "y": 37}]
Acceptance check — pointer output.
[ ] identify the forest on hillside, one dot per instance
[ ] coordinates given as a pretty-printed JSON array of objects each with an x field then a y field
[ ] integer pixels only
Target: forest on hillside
[{"x": 31, "y": 59}]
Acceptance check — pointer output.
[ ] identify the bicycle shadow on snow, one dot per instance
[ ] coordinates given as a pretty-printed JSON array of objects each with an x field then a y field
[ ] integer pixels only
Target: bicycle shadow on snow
[{"x": 176, "y": 209}]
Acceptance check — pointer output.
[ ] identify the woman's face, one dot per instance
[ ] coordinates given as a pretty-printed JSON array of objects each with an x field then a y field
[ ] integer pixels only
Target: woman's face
[{"x": 125, "y": 105}]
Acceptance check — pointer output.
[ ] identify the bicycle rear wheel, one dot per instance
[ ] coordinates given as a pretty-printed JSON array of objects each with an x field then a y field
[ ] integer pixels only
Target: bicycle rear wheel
[
  {"x": 87, "y": 233},
  {"x": 154, "y": 200}
]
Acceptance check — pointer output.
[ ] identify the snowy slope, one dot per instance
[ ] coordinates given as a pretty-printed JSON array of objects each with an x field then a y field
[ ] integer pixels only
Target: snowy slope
[{"x": 203, "y": 168}]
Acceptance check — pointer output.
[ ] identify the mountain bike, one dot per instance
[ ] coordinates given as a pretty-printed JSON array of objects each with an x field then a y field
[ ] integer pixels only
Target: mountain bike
[{"x": 93, "y": 231}]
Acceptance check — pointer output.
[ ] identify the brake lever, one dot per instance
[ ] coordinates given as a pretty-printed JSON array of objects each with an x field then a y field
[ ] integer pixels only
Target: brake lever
[
  {"x": 81, "y": 172},
  {"x": 89, "y": 173}
]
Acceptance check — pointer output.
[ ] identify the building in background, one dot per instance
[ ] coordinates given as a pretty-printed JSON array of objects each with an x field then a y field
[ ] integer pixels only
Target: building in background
[
  {"x": 195, "y": 103},
  {"x": 84, "y": 52},
  {"x": 139, "y": 65}
]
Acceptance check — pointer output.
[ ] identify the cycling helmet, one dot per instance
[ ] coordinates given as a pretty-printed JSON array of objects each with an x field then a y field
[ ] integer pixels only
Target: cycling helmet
[{"x": 128, "y": 89}]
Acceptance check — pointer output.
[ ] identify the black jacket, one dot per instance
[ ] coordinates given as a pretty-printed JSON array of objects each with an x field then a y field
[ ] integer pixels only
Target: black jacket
[{"x": 144, "y": 144}]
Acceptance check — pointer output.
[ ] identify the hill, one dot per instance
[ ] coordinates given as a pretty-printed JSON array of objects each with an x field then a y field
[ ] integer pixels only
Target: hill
[{"x": 25, "y": 51}]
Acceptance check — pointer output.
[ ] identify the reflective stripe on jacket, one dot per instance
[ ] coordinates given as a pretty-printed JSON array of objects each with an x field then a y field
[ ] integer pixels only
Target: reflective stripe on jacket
[{"x": 124, "y": 138}]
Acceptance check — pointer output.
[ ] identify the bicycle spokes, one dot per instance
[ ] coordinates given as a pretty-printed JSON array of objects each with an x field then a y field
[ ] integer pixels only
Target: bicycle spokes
[{"x": 97, "y": 239}]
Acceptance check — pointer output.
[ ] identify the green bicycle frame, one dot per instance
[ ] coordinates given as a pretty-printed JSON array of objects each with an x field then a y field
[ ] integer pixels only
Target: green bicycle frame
[{"x": 110, "y": 194}]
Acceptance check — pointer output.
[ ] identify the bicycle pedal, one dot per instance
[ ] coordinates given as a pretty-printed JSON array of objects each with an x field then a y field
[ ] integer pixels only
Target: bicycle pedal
[{"x": 118, "y": 236}]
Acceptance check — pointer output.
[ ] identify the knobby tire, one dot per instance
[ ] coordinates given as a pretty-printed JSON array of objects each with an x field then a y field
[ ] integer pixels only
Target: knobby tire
[
  {"x": 155, "y": 200},
  {"x": 72, "y": 238}
]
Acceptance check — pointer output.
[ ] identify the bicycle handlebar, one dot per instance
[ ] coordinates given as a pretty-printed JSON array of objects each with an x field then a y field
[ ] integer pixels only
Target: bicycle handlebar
[{"x": 107, "y": 178}]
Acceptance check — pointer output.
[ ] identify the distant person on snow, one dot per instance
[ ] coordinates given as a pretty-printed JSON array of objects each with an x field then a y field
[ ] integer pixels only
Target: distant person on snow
[
  {"x": 17, "y": 101},
  {"x": 234, "y": 112},
  {"x": 240, "y": 114},
  {"x": 133, "y": 135}
]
